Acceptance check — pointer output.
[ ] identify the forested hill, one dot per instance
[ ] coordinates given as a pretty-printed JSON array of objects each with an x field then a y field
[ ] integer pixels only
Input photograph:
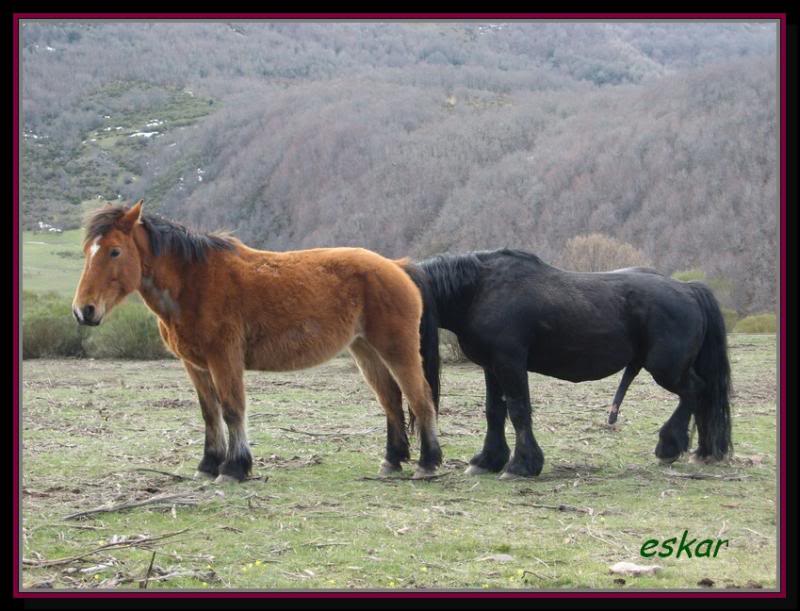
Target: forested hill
[{"x": 419, "y": 138}]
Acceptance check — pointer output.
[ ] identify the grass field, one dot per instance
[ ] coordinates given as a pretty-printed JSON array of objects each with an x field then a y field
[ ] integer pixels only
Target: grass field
[
  {"x": 51, "y": 261},
  {"x": 315, "y": 516}
]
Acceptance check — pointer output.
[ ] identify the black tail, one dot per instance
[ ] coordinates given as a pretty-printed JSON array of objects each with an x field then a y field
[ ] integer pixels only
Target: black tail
[
  {"x": 713, "y": 414},
  {"x": 428, "y": 334}
]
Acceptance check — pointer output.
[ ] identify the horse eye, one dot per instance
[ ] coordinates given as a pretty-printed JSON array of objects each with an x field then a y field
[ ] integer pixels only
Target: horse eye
[{"x": 115, "y": 252}]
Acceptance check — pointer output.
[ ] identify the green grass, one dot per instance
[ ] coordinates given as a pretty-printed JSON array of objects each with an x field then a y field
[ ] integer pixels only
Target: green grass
[
  {"x": 52, "y": 261},
  {"x": 317, "y": 519}
]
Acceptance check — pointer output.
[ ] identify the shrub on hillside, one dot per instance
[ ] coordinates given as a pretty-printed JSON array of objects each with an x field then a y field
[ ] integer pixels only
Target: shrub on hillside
[
  {"x": 758, "y": 323},
  {"x": 689, "y": 275},
  {"x": 719, "y": 285},
  {"x": 131, "y": 332},
  {"x": 48, "y": 327},
  {"x": 597, "y": 252},
  {"x": 731, "y": 317}
]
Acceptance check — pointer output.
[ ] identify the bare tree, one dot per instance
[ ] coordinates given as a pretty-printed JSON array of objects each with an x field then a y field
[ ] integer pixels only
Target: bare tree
[{"x": 598, "y": 253}]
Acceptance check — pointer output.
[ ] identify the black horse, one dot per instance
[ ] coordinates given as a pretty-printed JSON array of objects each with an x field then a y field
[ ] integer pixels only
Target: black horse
[{"x": 513, "y": 313}]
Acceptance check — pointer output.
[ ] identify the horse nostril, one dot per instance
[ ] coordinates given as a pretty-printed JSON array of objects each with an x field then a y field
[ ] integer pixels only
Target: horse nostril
[{"x": 88, "y": 312}]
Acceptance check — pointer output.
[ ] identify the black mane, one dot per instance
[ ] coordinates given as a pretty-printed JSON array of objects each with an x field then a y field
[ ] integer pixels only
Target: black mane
[
  {"x": 449, "y": 275},
  {"x": 166, "y": 237},
  {"x": 511, "y": 252}
]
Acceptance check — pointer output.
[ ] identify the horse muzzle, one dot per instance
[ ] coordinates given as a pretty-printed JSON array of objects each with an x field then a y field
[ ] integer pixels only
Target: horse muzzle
[{"x": 87, "y": 315}]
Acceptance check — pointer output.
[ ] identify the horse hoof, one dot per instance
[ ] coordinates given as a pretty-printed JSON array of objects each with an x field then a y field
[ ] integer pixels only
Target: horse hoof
[
  {"x": 613, "y": 412},
  {"x": 475, "y": 470},
  {"x": 421, "y": 473},
  {"x": 508, "y": 476},
  {"x": 388, "y": 469},
  {"x": 203, "y": 475},
  {"x": 226, "y": 479},
  {"x": 702, "y": 460}
]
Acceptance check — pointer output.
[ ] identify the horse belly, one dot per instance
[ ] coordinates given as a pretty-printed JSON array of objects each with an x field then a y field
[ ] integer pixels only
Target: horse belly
[
  {"x": 579, "y": 365},
  {"x": 295, "y": 348}
]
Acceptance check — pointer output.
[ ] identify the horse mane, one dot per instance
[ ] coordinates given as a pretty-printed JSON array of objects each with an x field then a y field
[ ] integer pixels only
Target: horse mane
[
  {"x": 166, "y": 237},
  {"x": 513, "y": 252},
  {"x": 449, "y": 275}
]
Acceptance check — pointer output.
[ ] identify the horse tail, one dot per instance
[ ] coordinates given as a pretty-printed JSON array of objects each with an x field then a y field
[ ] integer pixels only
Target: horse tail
[
  {"x": 713, "y": 414},
  {"x": 428, "y": 333}
]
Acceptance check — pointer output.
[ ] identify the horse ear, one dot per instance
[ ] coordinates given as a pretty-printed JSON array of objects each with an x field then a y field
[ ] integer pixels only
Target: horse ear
[{"x": 132, "y": 216}]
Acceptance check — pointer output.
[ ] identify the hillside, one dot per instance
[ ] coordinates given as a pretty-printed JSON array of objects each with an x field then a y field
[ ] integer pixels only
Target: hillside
[{"x": 419, "y": 138}]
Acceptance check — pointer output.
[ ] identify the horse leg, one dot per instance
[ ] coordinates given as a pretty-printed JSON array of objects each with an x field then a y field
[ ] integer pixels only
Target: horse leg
[
  {"x": 389, "y": 396},
  {"x": 673, "y": 438},
  {"x": 214, "y": 446},
  {"x": 406, "y": 368},
  {"x": 228, "y": 377},
  {"x": 528, "y": 458},
  {"x": 495, "y": 452},
  {"x": 631, "y": 371}
]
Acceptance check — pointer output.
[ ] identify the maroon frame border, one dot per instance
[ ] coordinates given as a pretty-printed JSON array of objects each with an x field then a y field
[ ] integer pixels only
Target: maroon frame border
[{"x": 16, "y": 360}]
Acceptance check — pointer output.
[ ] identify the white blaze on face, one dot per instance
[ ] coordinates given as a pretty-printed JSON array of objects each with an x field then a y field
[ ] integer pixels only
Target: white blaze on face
[{"x": 94, "y": 248}]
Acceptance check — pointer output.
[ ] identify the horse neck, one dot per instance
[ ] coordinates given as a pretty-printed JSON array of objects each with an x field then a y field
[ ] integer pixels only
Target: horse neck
[
  {"x": 452, "y": 313},
  {"x": 452, "y": 304},
  {"x": 163, "y": 278}
]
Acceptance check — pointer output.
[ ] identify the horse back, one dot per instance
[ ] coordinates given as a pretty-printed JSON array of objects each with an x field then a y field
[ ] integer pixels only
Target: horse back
[
  {"x": 579, "y": 326},
  {"x": 297, "y": 309}
]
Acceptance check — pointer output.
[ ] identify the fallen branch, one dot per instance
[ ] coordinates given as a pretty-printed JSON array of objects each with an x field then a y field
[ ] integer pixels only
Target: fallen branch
[
  {"x": 175, "y": 499},
  {"x": 428, "y": 477},
  {"x": 78, "y": 526},
  {"x": 257, "y": 416},
  {"x": 756, "y": 533},
  {"x": 589, "y": 532},
  {"x": 291, "y": 429},
  {"x": 149, "y": 571},
  {"x": 173, "y": 475},
  {"x": 562, "y": 507},
  {"x": 468, "y": 395},
  {"x": 397, "y": 478},
  {"x": 673, "y": 473},
  {"x": 121, "y": 580},
  {"x": 141, "y": 542},
  {"x": 535, "y": 574}
]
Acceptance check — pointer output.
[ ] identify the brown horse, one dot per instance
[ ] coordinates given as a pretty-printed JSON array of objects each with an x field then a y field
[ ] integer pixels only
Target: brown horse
[{"x": 223, "y": 307}]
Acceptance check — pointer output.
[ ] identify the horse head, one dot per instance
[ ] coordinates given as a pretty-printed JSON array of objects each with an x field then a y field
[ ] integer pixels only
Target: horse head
[{"x": 112, "y": 267}]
